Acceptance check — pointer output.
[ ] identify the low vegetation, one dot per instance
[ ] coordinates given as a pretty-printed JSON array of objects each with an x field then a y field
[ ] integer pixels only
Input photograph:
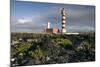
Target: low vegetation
[{"x": 52, "y": 48}]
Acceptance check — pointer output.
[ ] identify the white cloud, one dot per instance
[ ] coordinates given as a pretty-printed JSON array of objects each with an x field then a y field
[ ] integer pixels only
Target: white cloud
[{"x": 23, "y": 21}]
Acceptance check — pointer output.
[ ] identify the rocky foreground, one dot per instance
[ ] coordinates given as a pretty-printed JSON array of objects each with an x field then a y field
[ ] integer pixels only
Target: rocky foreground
[{"x": 35, "y": 49}]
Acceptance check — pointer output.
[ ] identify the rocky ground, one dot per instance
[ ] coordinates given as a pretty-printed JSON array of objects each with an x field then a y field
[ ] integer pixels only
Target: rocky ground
[{"x": 52, "y": 48}]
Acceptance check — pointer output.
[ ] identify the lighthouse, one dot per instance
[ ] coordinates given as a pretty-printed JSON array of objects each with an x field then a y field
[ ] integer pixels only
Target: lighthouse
[
  {"x": 63, "y": 13},
  {"x": 48, "y": 26}
]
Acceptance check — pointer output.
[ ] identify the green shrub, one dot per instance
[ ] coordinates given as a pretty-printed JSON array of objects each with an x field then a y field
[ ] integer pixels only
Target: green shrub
[
  {"x": 84, "y": 52},
  {"x": 67, "y": 42},
  {"x": 36, "y": 54},
  {"x": 84, "y": 46}
]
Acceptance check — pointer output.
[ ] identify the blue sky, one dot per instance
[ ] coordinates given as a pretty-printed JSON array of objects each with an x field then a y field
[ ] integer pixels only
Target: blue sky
[{"x": 34, "y": 16}]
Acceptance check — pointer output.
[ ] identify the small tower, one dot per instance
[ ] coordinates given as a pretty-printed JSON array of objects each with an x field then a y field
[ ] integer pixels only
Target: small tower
[
  {"x": 48, "y": 26},
  {"x": 63, "y": 13}
]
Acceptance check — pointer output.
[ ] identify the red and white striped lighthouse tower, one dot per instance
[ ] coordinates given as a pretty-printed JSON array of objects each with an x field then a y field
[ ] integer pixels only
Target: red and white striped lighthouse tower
[{"x": 63, "y": 13}]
